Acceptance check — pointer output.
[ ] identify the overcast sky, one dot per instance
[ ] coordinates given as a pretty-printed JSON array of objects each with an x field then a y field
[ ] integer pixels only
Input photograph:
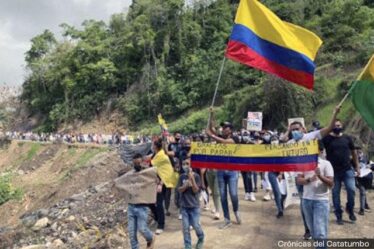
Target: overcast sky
[{"x": 21, "y": 20}]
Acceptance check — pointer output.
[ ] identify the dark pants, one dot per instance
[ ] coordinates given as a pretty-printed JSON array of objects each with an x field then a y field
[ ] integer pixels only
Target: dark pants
[
  {"x": 255, "y": 180},
  {"x": 177, "y": 198},
  {"x": 247, "y": 181},
  {"x": 167, "y": 196},
  {"x": 158, "y": 210}
]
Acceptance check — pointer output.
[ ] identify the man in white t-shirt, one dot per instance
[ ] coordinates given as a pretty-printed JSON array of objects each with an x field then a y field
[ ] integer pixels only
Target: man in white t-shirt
[
  {"x": 296, "y": 133},
  {"x": 315, "y": 200}
]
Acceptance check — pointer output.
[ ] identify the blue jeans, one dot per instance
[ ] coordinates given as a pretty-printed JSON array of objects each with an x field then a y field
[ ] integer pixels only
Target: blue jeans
[
  {"x": 137, "y": 216},
  {"x": 300, "y": 190},
  {"x": 317, "y": 217},
  {"x": 276, "y": 191},
  {"x": 191, "y": 217},
  {"x": 363, "y": 199},
  {"x": 348, "y": 177},
  {"x": 228, "y": 178}
]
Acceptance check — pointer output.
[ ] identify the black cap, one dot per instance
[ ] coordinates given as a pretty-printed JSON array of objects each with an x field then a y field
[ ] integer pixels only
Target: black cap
[
  {"x": 227, "y": 124},
  {"x": 316, "y": 124}
]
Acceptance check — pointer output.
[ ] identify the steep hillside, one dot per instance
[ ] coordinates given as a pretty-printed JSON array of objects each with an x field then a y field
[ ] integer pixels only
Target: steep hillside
[{"x": 50, "y": 176}]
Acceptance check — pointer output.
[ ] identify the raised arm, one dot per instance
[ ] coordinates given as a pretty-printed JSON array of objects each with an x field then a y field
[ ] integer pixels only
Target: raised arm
[
  {"x": 325, "y": 131},
  {"x": 211, "y": 121}
]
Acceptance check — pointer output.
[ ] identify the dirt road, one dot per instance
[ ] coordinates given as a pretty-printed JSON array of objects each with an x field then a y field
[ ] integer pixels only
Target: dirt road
[{"x": 260, "y": 228}]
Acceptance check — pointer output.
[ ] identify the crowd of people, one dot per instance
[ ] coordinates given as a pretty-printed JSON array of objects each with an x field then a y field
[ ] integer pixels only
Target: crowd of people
[
  {"x": 71, "y": 138},
  {"x": 340, "y": 161}
]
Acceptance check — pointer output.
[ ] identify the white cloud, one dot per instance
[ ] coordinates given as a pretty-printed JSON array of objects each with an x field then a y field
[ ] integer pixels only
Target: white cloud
[
  {"x": 21, "y": 20},
  {"x": 82, "y": 2},
  {"x": 11, "y": 56}
]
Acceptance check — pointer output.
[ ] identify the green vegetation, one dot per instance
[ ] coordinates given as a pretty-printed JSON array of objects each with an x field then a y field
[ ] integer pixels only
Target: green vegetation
[
  {"x": 72, "y": 151},
  {"x": 164, "y": 57},
  {"x": 7, "y": 192},
  {"x": 34, "y": 148}
]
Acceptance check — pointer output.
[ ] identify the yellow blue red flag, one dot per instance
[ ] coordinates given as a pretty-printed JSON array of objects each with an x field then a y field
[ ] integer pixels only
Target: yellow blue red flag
[
  {"x": 301, "y": 156},
  {"x": 260, "y": 39}
]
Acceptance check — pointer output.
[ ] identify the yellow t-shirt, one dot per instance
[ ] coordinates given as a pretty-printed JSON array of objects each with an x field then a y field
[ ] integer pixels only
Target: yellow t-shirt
[{"x": 165, "y": 170}]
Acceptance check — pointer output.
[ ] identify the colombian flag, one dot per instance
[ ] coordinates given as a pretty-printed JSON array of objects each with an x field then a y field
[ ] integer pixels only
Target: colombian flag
[
  {"x": 262, "y": 40},
  {"x": 301, "y": 156}
]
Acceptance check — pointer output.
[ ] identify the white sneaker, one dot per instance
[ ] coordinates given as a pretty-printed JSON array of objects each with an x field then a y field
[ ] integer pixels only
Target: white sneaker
[
  {"x": 247, "y": 196},
  {"x": 267, "y": 197},
  {"x": 216, "y": 216},
  {"x": 252, "y": 197},
  {"x": 180, "y": 217},
  {"x": 159, "y": 231}
]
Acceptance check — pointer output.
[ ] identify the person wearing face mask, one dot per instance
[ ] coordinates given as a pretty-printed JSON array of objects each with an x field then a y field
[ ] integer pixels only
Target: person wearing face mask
[
  {"x": 296, "y": 133},
  {"x": 266, "y": 137},
  {"x": 189, "y": 185},
  {"x": 168, "y": 179},
  {"x": 273, "y": 180},
  {"x": 173, "y": 151},
  {"x": 339, "y": 151},
  {"x": 138, "y": 213},
  {"x": 182, "y": 155},
  {"x": 227, "y": 179}
]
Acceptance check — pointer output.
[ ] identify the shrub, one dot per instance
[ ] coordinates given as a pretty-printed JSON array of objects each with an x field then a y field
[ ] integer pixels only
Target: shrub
[{"x": 7, "y": 192}]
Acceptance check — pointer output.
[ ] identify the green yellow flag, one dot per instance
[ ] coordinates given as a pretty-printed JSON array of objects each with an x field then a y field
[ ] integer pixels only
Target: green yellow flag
[{"x": 363, "y": 93}]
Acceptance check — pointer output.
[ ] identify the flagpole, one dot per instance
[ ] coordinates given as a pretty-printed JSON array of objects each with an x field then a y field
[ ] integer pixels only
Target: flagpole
[
  {"x": 218, "y": 80},
  {"x": 348, "y": 93},
  {"x": 216, "y": 90}
]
